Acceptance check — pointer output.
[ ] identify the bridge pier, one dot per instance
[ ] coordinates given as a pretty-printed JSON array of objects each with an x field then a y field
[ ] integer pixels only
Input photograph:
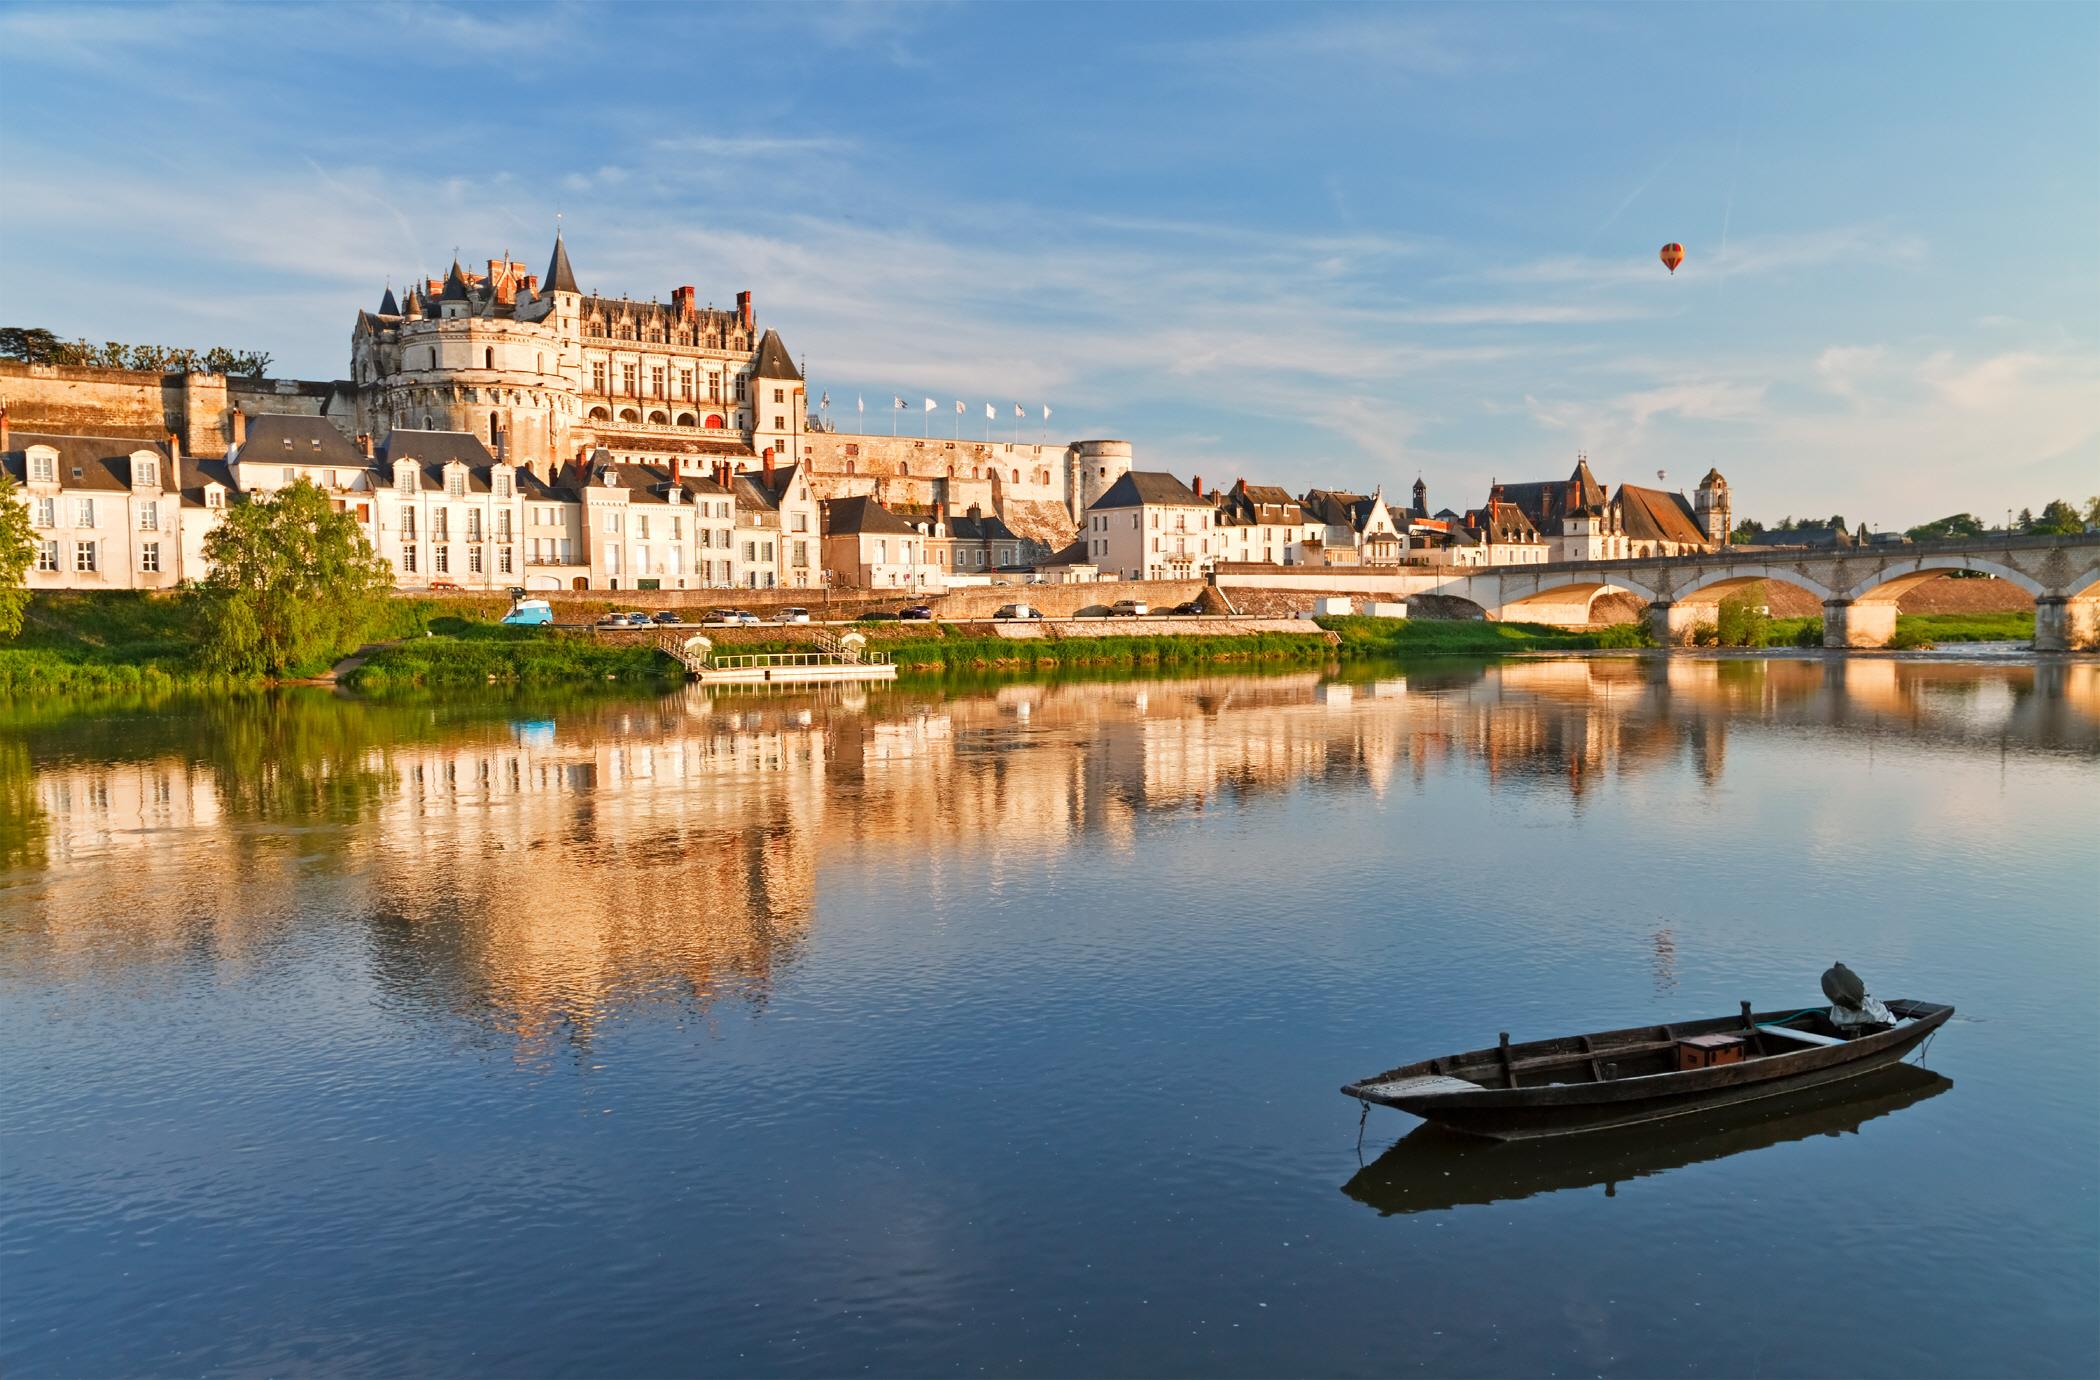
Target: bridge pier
[
  {"x": 2062, "y": 625},
  {"x": 1670, "y": 624},
  {"x": 1856, "y": 623}
]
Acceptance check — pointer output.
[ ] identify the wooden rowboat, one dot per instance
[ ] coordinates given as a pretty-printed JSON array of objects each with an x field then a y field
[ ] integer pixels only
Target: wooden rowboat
[
  {"x": 1646, "y": 1073},
  {"x": 1431, "y": 1169}
]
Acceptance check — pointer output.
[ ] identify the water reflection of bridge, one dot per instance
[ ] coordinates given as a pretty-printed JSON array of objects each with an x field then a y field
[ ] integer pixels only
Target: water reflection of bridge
[{"x": 534, "y": 881}]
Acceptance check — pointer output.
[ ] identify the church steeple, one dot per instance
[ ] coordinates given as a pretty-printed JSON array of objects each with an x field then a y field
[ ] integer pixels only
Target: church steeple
[{"x": 560, "y": 277}]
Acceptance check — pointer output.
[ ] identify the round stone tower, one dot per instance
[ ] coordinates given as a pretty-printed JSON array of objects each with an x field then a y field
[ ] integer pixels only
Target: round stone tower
[{"x": 1096, "y": 465}]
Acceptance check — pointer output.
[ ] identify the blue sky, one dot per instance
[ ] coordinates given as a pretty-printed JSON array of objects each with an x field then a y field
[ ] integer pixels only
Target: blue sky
[{"x": 1309, "y": 245}]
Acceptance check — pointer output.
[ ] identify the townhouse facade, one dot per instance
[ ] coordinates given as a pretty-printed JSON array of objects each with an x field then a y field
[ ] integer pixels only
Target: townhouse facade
[{"x": 1151, "y": 526}]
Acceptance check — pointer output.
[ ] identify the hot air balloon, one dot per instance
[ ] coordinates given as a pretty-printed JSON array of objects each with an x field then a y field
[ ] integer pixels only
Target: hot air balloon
[{"x": 1672, "y": 255}]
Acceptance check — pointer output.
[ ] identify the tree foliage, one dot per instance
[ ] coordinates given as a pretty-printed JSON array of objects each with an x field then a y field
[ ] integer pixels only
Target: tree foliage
[
  {"x": 17, "y": 547},
  {"x": 35, "y": 345},
  {"x": 2058, "y": 519},
  {"x": 294, "y": 585},
  {"x": 1950, "y": 528}
]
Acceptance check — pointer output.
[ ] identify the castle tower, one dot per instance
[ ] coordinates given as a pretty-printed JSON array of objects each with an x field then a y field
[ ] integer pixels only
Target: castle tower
[
  {"x": 1421, "y": 497},
  {"x": 1095, "y": 466},
  {"x": 1712, "y": 505},
  {"x": 779, "y": 409}
]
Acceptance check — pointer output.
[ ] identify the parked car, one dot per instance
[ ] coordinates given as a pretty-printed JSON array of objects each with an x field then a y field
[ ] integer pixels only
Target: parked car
[
  {"x": 624, "y": 620},
  {"x": 1018, "y": 611},
  {"x": 1191, "y": 608},
  {"x": 747, "y": 619},
  {"x": 530, "y": 613},
  {"x": 669, "y": 618},
  {"x": 791, "y": 616},
  {"x": 1128, "y": 608},
  {"x": 919, "y": 613},
  {"x": 444, "y": 586}
]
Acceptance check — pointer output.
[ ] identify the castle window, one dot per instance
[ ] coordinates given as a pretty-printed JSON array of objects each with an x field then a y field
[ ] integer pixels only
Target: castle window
[
  {"x": 492, "y": 429},
  {"x": 426, "y": 421},
  {"x": 597, "y": 376},
  {"x": 740, "y": 383},
  {"x": 42, "y": 468},
  {"x": 656, "y": 380},
  {"x": 627, "y": 379},
  {"x": 488, "y": 358}
]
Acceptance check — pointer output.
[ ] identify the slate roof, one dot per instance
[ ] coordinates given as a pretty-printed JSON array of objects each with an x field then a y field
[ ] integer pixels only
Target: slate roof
[
  {"x": 1657, "y": 515},
  {"x": 388, "y": 306},
  {"x": 1548, "y": 502},
  {"x": 455, "y": 285},
  {"x": 983, "y": 528},
  {"x": 101, "y": 462},
  {"x": 437, "y": 448},
  {"x": 277, "y": 438},
  {"x": 1073, "y": 554},
  {"x": 1151, "y": 487},
  {"x": 773, "y": 361},
  {"x": 862, "y": 514},
  {"x": 201, "y": 473},
  {"x": 560, "y": 277},
  {"x": 1246, "y": 505}
]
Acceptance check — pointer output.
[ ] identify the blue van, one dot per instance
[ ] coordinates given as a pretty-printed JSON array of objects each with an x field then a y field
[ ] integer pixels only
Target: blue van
[{"x": 530, "y": 613}]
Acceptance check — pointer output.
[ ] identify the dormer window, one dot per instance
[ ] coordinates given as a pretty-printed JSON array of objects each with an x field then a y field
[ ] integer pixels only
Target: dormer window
[
  {"x": 43, "y": 468},
  {"x": 455, "y": 483},
  {"x": 144, "y": 472}
]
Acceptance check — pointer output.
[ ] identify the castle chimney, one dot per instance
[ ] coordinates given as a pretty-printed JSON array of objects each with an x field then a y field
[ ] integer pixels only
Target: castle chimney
[
  {"x": 766, "y": 462},
  {"x": 743, "y": 309},
  {"x": 1241, "y": 486},
  {"x": 5, "y": 443},
  {"x": 364, "y": 443},
  {"x": 240, "y": 427},
  {"x": 1197, "y": 485},
  {"x": 174, "y": 457},
  {"x": 682, "y": 300}
]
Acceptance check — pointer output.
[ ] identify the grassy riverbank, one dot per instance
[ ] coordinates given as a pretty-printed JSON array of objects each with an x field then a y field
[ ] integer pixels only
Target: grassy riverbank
[
  {"x": 123, "y": 641},
  {"x": 1391, "y": 637},
  {"x": 1916, "y": 630}
]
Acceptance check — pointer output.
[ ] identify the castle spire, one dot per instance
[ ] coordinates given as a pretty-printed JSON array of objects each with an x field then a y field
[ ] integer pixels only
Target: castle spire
[
  {"x": 560, "y": 277},
  {"x": 455, "y": 284},
  {"x": 387, "y": 305}
]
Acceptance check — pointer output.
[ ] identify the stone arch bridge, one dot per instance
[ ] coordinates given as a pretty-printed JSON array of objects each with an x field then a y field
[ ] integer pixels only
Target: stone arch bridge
[{"x": 1858, "y": 586}]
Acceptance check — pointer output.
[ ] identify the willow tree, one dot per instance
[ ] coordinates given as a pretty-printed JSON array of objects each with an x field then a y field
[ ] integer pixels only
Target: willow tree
[{"x": 293, "y": 585}]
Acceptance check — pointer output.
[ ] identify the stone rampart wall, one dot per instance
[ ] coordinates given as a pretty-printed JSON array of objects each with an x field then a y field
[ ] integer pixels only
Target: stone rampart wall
[{"x": 74, "y": 401}]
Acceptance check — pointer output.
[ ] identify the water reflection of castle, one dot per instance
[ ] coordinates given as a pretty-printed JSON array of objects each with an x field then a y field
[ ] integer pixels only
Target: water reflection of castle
[{"x": 534, "y": 880}]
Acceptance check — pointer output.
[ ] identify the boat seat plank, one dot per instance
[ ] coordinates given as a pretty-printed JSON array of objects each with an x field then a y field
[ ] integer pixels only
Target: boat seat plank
[
  {"x": 1596, "y": 1052},
  {"x": 1806, "y": 1037},
  {"x": 1418, "y": 1086}
]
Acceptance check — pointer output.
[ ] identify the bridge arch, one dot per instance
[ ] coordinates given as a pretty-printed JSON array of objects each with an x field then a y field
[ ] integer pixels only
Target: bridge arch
[
  {"x": 1716, "y": 585},
  {"x": 1890, "y": 582},
  {"x": 1568, "y": 601}
]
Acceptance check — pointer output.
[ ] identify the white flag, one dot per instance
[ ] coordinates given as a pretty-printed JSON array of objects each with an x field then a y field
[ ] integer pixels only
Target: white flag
[
  {"x": 860, "y": 402},
  {"x": 1020, "y": 412},
  {"x": 827, "y": 399},
  {"x": 991, "y": 414},
  {"x": 898, "y": 403},
  {"x": 931, "y": 404},
  {"x": 959, "y": 408},
  {"x": 1046, "y": 412}
]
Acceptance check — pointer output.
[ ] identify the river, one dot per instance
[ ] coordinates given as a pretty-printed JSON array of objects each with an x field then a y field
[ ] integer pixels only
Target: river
[{"x": 997, "y": 1029}]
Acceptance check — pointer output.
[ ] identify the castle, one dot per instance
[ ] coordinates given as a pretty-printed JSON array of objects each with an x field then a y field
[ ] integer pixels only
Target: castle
[
  {"x": 545, "y": 376},
  {"x": 545, "y": 373}
]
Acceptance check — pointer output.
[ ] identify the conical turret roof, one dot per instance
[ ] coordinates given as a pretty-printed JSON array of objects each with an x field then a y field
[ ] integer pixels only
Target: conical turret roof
[
  {"x": 773, "y": 361},
  {"x": 455, "y": 285},
  {"x": 387, "y": 305},
  {"x": 560, "y": 277}
]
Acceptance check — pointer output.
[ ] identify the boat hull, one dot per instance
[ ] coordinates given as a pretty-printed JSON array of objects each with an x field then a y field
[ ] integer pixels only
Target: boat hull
[{"x": 1560, "y": 1109}]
